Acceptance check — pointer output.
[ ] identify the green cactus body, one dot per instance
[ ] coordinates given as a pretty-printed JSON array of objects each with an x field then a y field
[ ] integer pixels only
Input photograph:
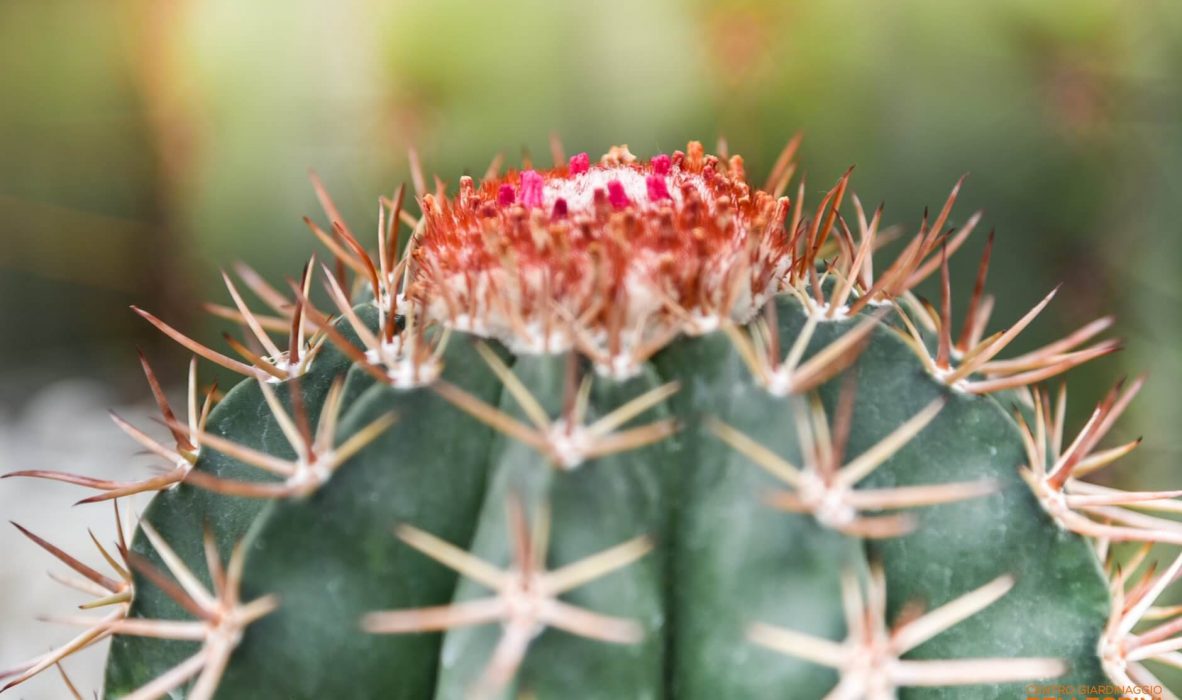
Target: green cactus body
[{"x": 513, "y": 468}]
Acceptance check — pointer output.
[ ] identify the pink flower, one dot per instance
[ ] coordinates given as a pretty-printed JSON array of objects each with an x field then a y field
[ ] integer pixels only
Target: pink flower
[
  {"x": 531, "y": 189},
  {"x": 661, "y": 164},
  {"x": 656, "y": 187},
  {"x": 616, "y": 195},
  {"x": 560, "y": 209},
  {"x": 580, "y": 163}
]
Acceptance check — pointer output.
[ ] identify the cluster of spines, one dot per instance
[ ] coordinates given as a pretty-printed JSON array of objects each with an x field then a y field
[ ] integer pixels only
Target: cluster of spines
[{"x": 827, "y": 269}]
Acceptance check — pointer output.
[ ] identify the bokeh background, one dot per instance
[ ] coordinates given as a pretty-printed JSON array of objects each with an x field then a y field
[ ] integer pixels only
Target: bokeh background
[{"x": 145, "y": 143}]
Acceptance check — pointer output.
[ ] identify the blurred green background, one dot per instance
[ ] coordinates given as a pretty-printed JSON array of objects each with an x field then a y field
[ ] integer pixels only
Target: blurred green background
[{"x": 145, "y": 143}]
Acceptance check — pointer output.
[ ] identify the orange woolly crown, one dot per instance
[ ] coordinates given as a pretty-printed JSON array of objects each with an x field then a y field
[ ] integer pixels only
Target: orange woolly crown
[{"x": 612, "y": 257}]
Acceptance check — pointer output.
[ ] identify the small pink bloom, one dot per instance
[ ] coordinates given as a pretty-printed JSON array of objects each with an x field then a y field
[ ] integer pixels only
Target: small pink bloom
[
  {"x": 656, "y": 188},
  {"x": 616, "y": 195},
  {"x": 661, "y": 165},
  {"x": 506, "y": 195},
  {"x": 531, "y": 189},
  {"x": 580, "y": 163}
]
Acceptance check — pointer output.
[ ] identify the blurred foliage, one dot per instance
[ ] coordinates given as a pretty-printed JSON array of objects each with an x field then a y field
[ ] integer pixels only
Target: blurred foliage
[{"x": 145, "y": 143}]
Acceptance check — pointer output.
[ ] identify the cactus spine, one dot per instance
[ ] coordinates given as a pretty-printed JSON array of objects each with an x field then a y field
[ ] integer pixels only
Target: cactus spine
[{"x": 627, "y": 429}]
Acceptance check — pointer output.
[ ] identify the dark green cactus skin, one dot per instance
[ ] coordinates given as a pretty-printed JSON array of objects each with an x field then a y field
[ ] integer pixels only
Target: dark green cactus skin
[{"x": 722, "y": 559}]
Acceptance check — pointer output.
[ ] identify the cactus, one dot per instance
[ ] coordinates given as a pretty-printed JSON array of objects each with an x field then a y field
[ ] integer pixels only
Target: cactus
[{"x": 627, "y": 429}]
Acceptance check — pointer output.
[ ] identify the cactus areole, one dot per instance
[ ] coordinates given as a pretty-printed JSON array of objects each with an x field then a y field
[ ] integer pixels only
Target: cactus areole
[{"x": 631, "y": 428}]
